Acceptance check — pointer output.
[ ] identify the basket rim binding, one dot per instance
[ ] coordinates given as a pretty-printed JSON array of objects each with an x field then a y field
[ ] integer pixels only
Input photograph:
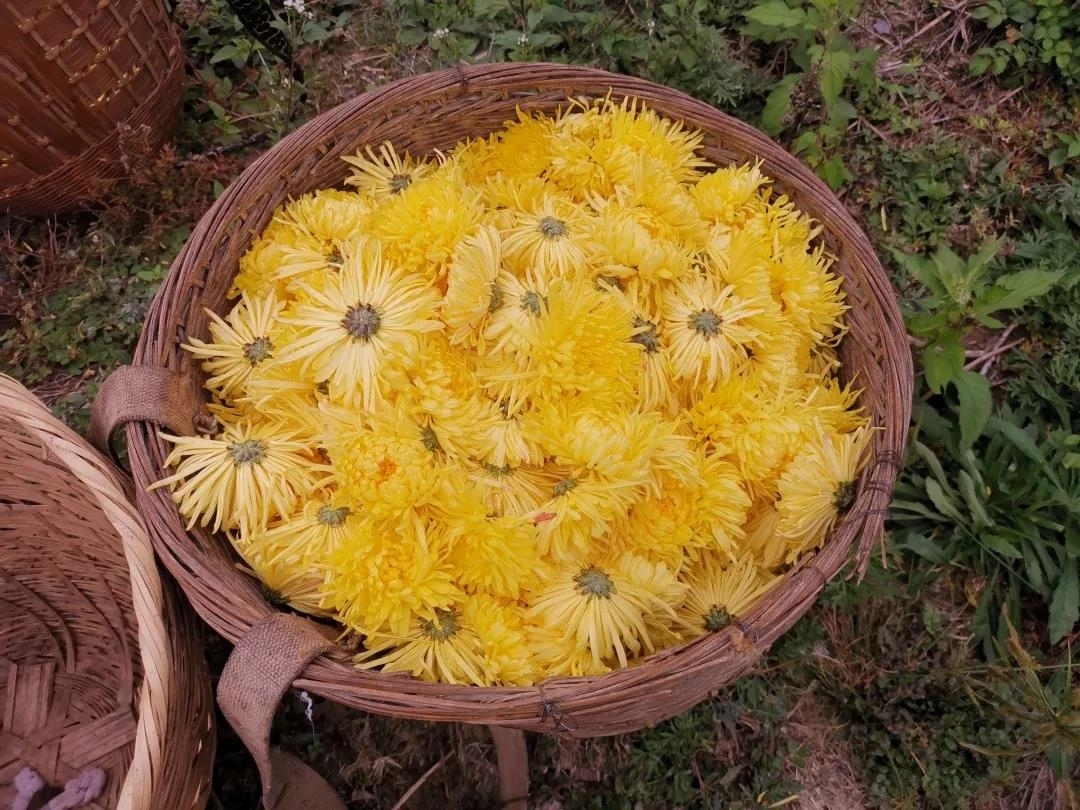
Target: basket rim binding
[
  {"x": 162, "y": 627},
  {"x": 656, "y": 687}
]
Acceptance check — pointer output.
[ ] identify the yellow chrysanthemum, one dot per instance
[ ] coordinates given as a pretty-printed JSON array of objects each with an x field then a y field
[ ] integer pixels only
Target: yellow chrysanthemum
[
  {"x": 384, "y": 575},
  {"x": 552, "y": 235},
  {"x": 607, "y": 608},
  {"x": 730, "y": 196},
  {"x": 422, "y": 227},
  {"x": 242, "y": 478},
  {"x": 494, "y": 555},
  {"x": 386, "y": 173},
  {"x": 241, "y": 343},
  {"x": 501, "y": 629},
  {"x": 809, "y": 295},
  {"x": 358, "y": 322},
  {"x": 720, "y": 591},
  {"x": 818, "y": 486},
  {"x": 385, "y": 463},
  {"x": 474, "y": 285},
  {"x": 763, "y": 541},
  {"x": 710, "y": 329},
  {"x": 328, "y": 216},
  {"x": 261, "y": 265},
  {"x": 508, "y": 489},
  {"x": 575, "y": 341},
  {"x": 443, "y": 648}
]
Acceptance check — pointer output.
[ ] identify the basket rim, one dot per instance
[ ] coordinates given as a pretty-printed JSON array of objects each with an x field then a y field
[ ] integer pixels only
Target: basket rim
[
  {"x": 742, "y": 642},
  {"x": 150, "y": 604}
]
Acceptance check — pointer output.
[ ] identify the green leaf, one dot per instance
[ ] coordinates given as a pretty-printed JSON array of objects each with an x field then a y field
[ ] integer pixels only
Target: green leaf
[
  {"x": 923, "y": 546},
  {"x": 223, "y": 53},
  {"x": 975, "y": 405},
  {"x": 834, "y": 66},
  {"x": 776, "y": 14},
  {"x": 688, "y": 57},
  {"x": 558, "y": 14},
  {"x": 834, "y": 172},
  {"x": 943, "y": 503},
  {"x": 1065, "y": 605},
  {"x": 1002, "y": 545},
  {"x": 777, "y": 104},
  {"x": 966, "y": 485},
  {"x": 1016, "y": 289},
  {"x": 941, "y": 361}
]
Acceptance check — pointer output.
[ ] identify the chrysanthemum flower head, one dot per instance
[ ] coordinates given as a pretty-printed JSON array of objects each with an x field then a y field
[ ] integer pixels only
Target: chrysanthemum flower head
[
  {"x": 385, "y": 575},
  {"x": 241, "y": 344},
  {"x": 242, "y": 478},
  {"x": 384, "y": 173},
  {"x": 729, "y": 196},
  {"x": 358, "y": 322},
  {"x": 818, "y": 486},
  {"x": 720, "y": 591},
  {"x": 552, "y": 234}
]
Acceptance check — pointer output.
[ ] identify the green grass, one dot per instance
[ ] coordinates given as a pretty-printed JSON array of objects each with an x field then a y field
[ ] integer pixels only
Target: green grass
[{"x": 942, "y": 681}]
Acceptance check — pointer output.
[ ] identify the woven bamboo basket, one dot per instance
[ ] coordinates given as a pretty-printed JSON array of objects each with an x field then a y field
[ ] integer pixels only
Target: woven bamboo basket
[
  {"x": 82, "y": 84},
  {"x": 101, "y": 664},
  {"x": 435, "y": 111}
]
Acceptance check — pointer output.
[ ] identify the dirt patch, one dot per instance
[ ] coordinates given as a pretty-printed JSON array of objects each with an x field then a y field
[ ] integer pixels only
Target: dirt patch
[{"x": 827, "y": 774}]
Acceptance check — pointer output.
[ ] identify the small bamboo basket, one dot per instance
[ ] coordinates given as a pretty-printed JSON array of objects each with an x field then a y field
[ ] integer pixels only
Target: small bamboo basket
[
  {"x": 434, "y": 112},
  {"x": 82, "y": 84},
  {"x": 101, "y": 664}
]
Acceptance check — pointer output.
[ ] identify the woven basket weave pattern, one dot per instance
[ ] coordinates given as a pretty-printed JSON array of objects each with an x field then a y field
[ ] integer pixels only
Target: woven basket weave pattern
[
  {"x": 435, "y": 111},
  {"x": 76, "y": 78},
  {"x": 99, "y": 663}
]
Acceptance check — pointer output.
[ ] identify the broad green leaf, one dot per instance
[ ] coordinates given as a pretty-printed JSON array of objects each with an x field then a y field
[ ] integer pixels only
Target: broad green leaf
[
  {"x": 942, "y": 360},
  {"x": 1021, "y": 440},
  {"x": 777, "y": 104},
  {"x": 1002, "y": 545},
  {"x": 223, "y": 53},
  {"x": 489, "y": 8},
  {"x": 917, "y": 508},
  {"x": 975, "y": 405},
  {"x": 1065, "y": 605},
  {"x": 558, "y": 14},
  {"x": 1016, "y": 289},
  {"x": 834, "y": 67},
  {"x": 923, "y": 546},
  {"x": 953, "y": 272},
  {"x": 834, "y": 172},
  {"x": 943, "y": 502},
  {"x": 1034, "y": 571},
  {"x": 966, "y": 485},
  {"x": 776, "y": 14},
  {"x": 688, "y": 57},
  {"x": 927, "y": 455}
]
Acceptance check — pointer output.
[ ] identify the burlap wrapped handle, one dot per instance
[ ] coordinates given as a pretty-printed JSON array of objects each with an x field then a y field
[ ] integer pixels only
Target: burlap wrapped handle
[
  {"x": 260, "y": 670},
  {"x": 145, "y": 394}
]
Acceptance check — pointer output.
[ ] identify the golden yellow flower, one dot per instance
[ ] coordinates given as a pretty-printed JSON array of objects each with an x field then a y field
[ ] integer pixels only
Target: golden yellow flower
[
  {"x": 240, "y": 480},
  {"x": 819, "y": 486},
  {"x": 385, "y": 575},
  {"x": 720, "y": 591},
  {"x": 475, "y": 285},
  {"x": 552, "y": 235},
  {"x": 492, "y": 554},
  {"x": 730, "y": 196},
  {"x": 241, "y": 343},
  {"x": 358, "y": 322},
  {"x": 386, "y": 173},
  {"x": 607, "y": 608}
]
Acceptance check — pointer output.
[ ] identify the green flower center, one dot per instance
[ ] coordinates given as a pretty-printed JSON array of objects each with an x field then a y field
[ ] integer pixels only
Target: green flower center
[
  {"x": 362, "y": 322},
  {"x": 844, "y": 496},
  {"x": 552, "y": 228},
  {"x": 594, "y": 582},
  {"x": 430, "y": 440},
  {"x": 706, "y": 323},
  {"x": 495, "y": 471},
  {"x": 258, "y": 350},
  {"x": 648, "y": 337},
  {"x": 533, "y": 302},
  {"x": 716, "y": 619},
  {"x": 445, "y": 625},
  {"x": 496, "y": 299},
  {"x": 249, "y": 451},
  {"x": 274, "y": 597},
  {"x": 564, "y": 486},
  {"x": 399, "y": 182},
  {"x": 328, "y": 516}
]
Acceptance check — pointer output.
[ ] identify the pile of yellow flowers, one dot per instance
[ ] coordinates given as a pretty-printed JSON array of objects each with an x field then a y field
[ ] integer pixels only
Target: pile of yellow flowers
[{"x": 542, "y": 406}]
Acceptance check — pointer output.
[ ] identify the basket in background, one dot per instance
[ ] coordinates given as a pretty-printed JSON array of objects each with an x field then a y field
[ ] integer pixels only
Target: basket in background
[
  {"x": 101, "y": 662},
  {"x": 82, "y": 84}
]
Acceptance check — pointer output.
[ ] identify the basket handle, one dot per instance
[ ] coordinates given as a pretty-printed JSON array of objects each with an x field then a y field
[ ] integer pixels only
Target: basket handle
[
  {"x": 144, "y": 394},
  {"x": 260, "y": 670}
]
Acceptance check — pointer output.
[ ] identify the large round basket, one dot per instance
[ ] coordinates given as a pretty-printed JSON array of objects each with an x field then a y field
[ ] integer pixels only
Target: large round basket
[
  {"x": 84, "y": 84},
  {"x": 101, "y": 664},
  {"x": 433, "y": 112}
]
